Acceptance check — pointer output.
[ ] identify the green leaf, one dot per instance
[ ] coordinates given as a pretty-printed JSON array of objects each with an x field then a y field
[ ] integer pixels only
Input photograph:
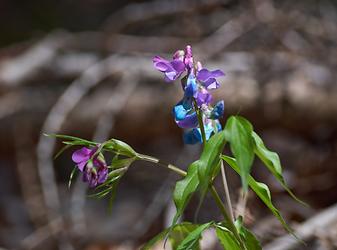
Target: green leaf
[
  {"x": 120, "y": 147},
  {"x": 261, "y": 190},
  {"x": 154, "y": 240},
  {"x": 238, "y": 132},
  {"x": 191, "y": 242},
  {"x": 112, "y": 197},
  {"x": 250, "y": 240},
  {"x": 121, "y": 163},
  {"x": 184, "y": 190},
  {"x": 180, "y": 232},
  {"x": 73, "y": 138},
  {"x": 272, "y": 161},
  {"x": 64, "y": 148},
  {"x": 209, "y": 161},
  {"x": 226, "y": 238},
  {"x": 72, "y": 174}
]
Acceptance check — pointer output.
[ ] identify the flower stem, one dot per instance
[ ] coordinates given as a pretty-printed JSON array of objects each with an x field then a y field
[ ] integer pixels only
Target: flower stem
[
  {"x": 225, "y": 184},
  {"x": 214, "y": 193},
  {"x": 200, "y": 121},
  {"x": 159, "y": 162},
  {"x": 227, "y": 218}
]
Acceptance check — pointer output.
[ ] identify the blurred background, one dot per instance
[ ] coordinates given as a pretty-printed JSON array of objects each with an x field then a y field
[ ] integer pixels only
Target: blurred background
[{"x": 84, "y": 68}]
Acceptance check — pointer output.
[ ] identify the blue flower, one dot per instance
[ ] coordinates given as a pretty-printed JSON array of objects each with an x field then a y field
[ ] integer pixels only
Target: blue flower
[
  {"x": 193, "y": 136},
  {"x": 191, "y": 88},
  {"x": 184, "y": 114},
  {"x": 218, "y": 110}
]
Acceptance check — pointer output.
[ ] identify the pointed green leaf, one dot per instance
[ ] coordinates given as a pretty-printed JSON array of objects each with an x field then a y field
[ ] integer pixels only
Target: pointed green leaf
[
  {"x": 121, "y": 163},
  {"x": 272, "y": 161},
  {"x": 148, "y": 245},
  {"x": 238, "y": 132},
  {"x": 180, "y": 232},
  {"x": 184, "y": 190},
  {"x": 261, "y": 190},
  {"x": 191, "y": 242},
  {"x": 249, "y": 238},
  {"x": 226, "y": 238},
  {"x": 72, "y": 174},
  {"x": 64, "y": 148},
  {"x": 209, "y": 161},
  {"x": 113, "y": 192},
  {"x": 120, "y": 147},
  {"x": 73, "y": 138}
]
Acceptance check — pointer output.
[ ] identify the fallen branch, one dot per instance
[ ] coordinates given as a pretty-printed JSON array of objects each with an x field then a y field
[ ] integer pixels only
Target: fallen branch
[{"x": 306, "y": 231}]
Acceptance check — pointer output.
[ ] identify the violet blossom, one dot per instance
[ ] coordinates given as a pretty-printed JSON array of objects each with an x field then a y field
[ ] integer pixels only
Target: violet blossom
[
  {"x": 92, "y": 165},
  {"x": 196, "y": 85}
]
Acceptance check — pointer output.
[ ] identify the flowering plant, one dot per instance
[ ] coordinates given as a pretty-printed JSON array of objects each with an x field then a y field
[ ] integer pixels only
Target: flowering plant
[{"x": 199, "y": 119}]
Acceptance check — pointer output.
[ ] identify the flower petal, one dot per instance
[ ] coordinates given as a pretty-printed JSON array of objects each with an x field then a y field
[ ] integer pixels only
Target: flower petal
[
  {"x": 102, "y": 175},
  {"x": 170, "y": 76},
  {"x": 179, "y": 112},
  {"x": 81, "y": 165},
  {"x": 209, "y": 129},
  {"x": 204, "y": 74},
  {"x": 203, "y": 97},
  {"x": 81, "y": 155},
  {"x": 188, "y": 60},
  {"x": 161, "y": 64},
  {"x": 192, "y": 136},
  {"x": 191, "y": 86},
  {"x": 178, "y": 66},
  {"x": 190, "y": 121},
  {"x": 218, "y": 110}
]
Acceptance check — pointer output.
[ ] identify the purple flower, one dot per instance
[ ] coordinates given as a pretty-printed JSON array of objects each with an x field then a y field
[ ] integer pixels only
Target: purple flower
[
  {"x": 95, "y": 174},
  {"x": 203, "y": 97},
  {"x": 94, "y": 168},
  {"x": 188, "y": 59},
  {"x": 82, "y": 156},
  {"x": 208, "y": 78},
  {"x": 179, "y": 55},
  {"x": 197, "y": 98},
  {"x": 172, "y": 69}
]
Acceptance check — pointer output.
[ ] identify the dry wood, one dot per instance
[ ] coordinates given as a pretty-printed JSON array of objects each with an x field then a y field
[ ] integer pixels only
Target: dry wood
[{"x": 306, "y": 231}]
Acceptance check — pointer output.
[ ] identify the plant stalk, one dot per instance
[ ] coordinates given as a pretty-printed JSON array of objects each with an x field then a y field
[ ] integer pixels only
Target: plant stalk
[
  {"x": 214, "y": 193},
  {"x": 231, "y": 225},
  {"x": 159, "y": 162},
  {"x": 225, "y": 184},
  {"x": 200, "y": 121}
]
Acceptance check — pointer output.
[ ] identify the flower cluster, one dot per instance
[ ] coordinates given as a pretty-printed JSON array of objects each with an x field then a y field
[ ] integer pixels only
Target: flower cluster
[
  {"x": 92, "y": 164},
  {"x": 196, "y": 85}
]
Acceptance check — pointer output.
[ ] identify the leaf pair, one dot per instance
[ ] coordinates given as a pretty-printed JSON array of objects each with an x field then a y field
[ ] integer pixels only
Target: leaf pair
[
  {"x": 261, "y": 190},
  {"x": 113, "y": 145},
  {"x": 199, "y": 174},
  {"x": 245, "y": 144},
  {"x": 228, "y": 240},
  {"x": 178, "y": 236},
  {"x": 187, "y": 236}
]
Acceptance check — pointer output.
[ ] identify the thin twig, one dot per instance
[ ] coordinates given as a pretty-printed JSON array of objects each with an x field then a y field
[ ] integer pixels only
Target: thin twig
[
  {"x": 225, "y": 184},
  {"x": 306, "y": 230}
]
